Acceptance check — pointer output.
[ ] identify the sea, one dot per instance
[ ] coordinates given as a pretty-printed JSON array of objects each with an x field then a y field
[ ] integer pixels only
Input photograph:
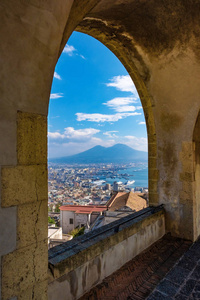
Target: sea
[{"x": 137, "y": 177}]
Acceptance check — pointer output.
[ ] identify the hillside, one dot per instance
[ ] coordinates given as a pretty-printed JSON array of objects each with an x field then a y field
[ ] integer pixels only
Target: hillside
[{"x": 118, "y": 153}]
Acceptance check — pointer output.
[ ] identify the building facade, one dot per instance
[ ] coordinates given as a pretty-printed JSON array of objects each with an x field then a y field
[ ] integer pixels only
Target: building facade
[{"x": 77, "y": 216}]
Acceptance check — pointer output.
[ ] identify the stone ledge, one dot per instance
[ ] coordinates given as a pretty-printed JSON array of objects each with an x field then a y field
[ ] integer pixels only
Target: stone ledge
[{"x": 68, "y": 256}]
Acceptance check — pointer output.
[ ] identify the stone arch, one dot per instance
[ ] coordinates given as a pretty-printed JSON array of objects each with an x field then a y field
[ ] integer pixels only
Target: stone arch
[
  {"x": 163, "y": 61},
  {"x": 138, "y": 71}
]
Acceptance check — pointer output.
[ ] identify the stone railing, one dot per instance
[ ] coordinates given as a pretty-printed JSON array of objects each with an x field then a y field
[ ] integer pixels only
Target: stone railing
[{"x": 78, "y": 265}]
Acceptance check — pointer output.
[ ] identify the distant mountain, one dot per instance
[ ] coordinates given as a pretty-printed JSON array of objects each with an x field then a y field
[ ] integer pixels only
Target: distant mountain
[{"x": 118, "y": 153}]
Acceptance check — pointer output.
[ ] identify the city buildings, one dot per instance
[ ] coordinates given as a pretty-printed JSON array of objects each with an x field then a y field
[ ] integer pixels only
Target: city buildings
[{"x": 73, "y": 216}]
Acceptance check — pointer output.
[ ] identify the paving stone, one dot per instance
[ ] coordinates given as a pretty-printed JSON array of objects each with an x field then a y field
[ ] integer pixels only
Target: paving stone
[
  {"x": 193, "y": 255},
  {"x": 167, "y": 287},
  {"x": 195, "y": 295},
  {"x": 196, "y": 273},
  {"x": 188, "y": 287},
  {"x": 197, "y": 286},
  {"x": 195, "y": 246},
  {"x": 181, "y": 297},
  {"x": 158, "y": 296},
  {"x": 186, "y": 263},
  {"x": 178, "y": 275}
]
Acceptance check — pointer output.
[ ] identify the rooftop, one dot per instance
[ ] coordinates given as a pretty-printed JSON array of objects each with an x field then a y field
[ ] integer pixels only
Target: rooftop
[
  {"x": 83, "y": 209},
  {"x": 133, "y": 200}
]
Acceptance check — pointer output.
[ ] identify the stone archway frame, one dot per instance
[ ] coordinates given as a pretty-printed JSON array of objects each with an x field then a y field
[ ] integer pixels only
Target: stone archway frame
[
  {"x": 191, "y": 186},
  {"x": 126, "y": 51}
]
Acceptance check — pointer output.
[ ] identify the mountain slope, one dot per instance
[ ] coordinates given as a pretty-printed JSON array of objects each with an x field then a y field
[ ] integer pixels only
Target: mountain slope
[{"x": 118, "y": 153}]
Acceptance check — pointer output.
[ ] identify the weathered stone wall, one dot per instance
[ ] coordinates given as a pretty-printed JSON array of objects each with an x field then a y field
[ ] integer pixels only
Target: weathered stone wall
[
  {"x": 25, "y": 187},
  {"x": 158, "y": 43},
  {"x": 74, "y": 270},
  {"x": 31, "y": 33}
]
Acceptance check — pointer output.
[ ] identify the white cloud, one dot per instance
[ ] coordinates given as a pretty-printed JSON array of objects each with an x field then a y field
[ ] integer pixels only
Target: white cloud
[
  {"x": 119, "y": 101},
  {"x": 80, "y": 134},
  {"x": 121, "y": 104},
  {"x": 55, "y": 117},
  {"x": 55, "y": 135},
  {"x": 111, "y": 134},
  {"x": 69, "y": 50},
  {"x": 83, "y": 57},
  {"x": 73, "y": 141},
  {"x": 72, "y": 135},
  {"x": 135, "y": 142},
  {"x": 141, "y": 123},
  {"x": 123, "y": 83},
  {"x": 125, "y": 108},
  {"x": 57, "y": 76},
  {"x": 103, "y": 117},
  {"x": 56, "y": 95}
]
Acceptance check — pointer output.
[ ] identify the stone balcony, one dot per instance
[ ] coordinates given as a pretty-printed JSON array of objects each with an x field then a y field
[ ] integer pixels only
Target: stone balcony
[{"x": 82, "y": 263}]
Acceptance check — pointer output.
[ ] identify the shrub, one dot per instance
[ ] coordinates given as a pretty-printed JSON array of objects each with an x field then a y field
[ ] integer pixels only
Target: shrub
[
  {"x": 77, "y": 231},
  {"x": 51, "y": 221}
]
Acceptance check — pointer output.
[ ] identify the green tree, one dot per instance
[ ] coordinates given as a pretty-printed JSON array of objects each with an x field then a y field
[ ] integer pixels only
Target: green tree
[
  {"x": 51, "y": 220},
  {"x": 57, "y": 208},
  {"x": 77, "y": 231}
]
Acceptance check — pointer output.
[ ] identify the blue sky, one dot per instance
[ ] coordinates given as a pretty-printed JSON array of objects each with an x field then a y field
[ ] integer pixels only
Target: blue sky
[{"x": 93, "y": 101}]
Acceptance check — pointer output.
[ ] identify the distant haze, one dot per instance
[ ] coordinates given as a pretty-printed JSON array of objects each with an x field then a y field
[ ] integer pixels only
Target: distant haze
[{"x": 118, "y": 153}]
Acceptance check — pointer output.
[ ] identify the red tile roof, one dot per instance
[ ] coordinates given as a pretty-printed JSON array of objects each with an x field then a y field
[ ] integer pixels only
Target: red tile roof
[
  {"x": 133, "y": 200},
  {"x": 83, "y": 209}
]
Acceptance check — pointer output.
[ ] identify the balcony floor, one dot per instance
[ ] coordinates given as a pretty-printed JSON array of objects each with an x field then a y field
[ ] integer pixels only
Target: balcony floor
[{"x": 148, "y": 276}]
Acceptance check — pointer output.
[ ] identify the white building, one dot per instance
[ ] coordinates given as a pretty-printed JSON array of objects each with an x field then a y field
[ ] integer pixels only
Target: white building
[{"x": 73, "y": 216}]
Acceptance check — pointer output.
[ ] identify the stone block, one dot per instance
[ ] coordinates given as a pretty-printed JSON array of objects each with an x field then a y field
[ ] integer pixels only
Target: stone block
[
  {"x": 186, "y": 228},
  {"x": 150, "y": 121},
  {"x": 187, "y": 192},
  {"x": 8, "y": 225},
  {"x": 153, "y": 198},
  {"x": 187, "y": 148},
  {"x": 23, "y": 268},
  {"x": 37, "y": 292},
  {"x": 152, "y": 150},
  {"x": 151, "y": 136},
  {"x": 32, "y": 223},
  {"x": 152, "y": 163},
  {"x": 186, "y": 156},
  {"x": 187, "y": 176},
  {"x": 24, "y": 184},
  {"x": 153, "y": 174},
  {"x": 188, "y": 166},
  {"x": 31, "y": 138},
  {"x": 146, "y": 100},
  {"x": 8, "y": 137},
  {"x": 153, "y": 186},
  {"x": 18, "y": 185},
  {"x": 42, "y": 182}
]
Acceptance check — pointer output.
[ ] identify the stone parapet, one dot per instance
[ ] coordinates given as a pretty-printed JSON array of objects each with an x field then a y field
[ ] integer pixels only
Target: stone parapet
[{"x": 81, "y": 263}]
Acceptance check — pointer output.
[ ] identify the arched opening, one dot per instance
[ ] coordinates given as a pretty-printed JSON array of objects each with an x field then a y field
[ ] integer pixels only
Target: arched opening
[{"x": 96, "y": 123}]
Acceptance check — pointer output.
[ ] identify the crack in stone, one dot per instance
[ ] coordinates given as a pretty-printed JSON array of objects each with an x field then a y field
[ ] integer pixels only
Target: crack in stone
[{"x": 36, "y": 237}]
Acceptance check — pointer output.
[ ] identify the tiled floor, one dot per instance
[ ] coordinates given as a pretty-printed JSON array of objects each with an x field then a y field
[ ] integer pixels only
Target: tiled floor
[
  {"x": 183, "y": 280},
  {"x": 140, "y": 276}
]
